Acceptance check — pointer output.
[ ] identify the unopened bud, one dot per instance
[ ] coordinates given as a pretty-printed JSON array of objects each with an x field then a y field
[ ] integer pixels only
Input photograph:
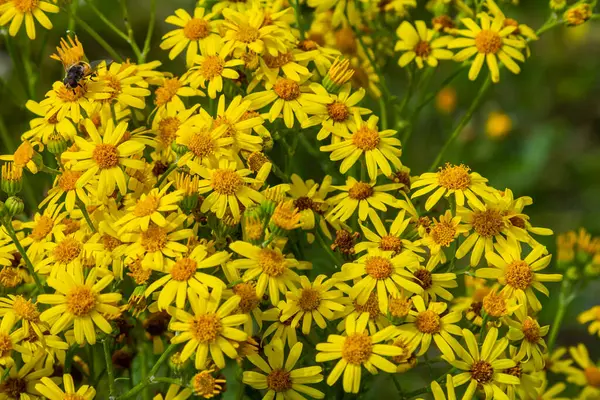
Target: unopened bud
[
  {"x": 338, "y": 74},
  {"x": 12, "y": 179},
  {"x": 14, "y": 205}
]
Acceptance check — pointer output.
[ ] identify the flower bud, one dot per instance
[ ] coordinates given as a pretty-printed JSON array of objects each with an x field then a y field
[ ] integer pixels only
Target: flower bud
[
  {"x": 12, "y": 179},
  {"x": 14, "y": 205},
  {"x": 578, "y": 14},
  {"x": 179, "y": 149},
  {"x": 57, "y": 145},
  {"x": 338, "y": 74}
]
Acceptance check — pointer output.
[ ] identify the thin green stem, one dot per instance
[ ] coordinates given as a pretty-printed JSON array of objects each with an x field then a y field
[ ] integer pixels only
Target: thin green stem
[
  {"x": 383, "y": 112},
  {"x": 383, "y": 86},
  {"x": 49, "y": 170},
  {"x": 483, "y": 327},
  {"x": 411, "y": 84},
  {"x": 166, "y": 174},
  {"x": 107, "y": 22},
  {"x": 168, "y": 380},
  {"x": 564, "y": 300},
  {"x": 465, "y": 119},
  {"x": 30, "y": 76},
  {"x": 19, "y": 67},
  {"x": 11, "y": 233},
  {"x": 96, "y": 36},
  {"x": 131, "y": 38},
  {"x": 323, "y": 244},
  {"x": 71, "y": 23},
  {"x": 109, "y": 366},
  {"x": 84, "y": 211},
  {"x": 148, "y": 40},
  {"x": 298, "y": 17},
  {"x": 144, "y": 361}
]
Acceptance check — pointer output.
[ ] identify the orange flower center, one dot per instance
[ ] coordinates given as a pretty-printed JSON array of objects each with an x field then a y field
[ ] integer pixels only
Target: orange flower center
[
  {"x": 25, "y": 6},
  {"x": 443, "y": 233},
  {"x": 81, "y": 301},
  {"x": 279, "y": 380},
  {"x": 424, "y": 278},
  {"x": 592, "y": 374},
  {"x": 184, "y": 269},
  {"x": 338, "y": 112},
  {"x": 345, "y": 41},
  {"x": 226, "y": 182},
  {"x": 167, "y": 130},
  {"x": 278, "y": 61},
  {"x": 422, "y": 49},
  {"x": 247, "y": 292},
  {"x": 309, "y": 299},
  {"x": 428, "y": 322},
  {"x": 519, "y": 275},
  {"x": 399, "y": 306},
  {"x": 361, "y": 191},
  {"x": 68, "y": 180},
  {"x": 154, "y": 239},
  {"x": 106, "y": 156},
  {"x": 71, "y": 95},
  {"x": 5, "y": 344},
  {"x": 42, "y": 228},
  {"x": 67, "y": 250},
  {"x": 390, "y": 243},
  {"x": 287, "y": 89},
  {"x": 488, "y": 42},
  {"x": 196, "y": 29},
  {"x": 212, "y": 66},
  {"x": 14, "y": 387},
  {"x": 205, "y": 328},
  {"x": 201, "y": 144},
  {"x": 165, "y": 94},
  {"x": 482, "y": 371},
  {"x": 488, "y": 223},
  {"x": 357, "y": 348},
  {"x": 378, "y": 267},
  {"x": 371, "y": 306},
  {"x": 247, "y": 34},
  {"x": 272, "y": 262},
  {"x": 366, "y": 138},
  {"x": 147, "y": 206},
  {"x": 204, "y": 384},
  {"x": 531, "y": 330},
  {"x": 495, "y": 304},
  {"x": 110, "y": 243},
  {"x": 25, "y": 309},
  {"x": 454, "y": 177}
]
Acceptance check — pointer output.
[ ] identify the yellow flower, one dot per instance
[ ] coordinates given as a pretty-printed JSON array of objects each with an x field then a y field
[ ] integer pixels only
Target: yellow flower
[
  {"x": 204, "y": 385},
  {"x": 212, "y": 67},
  {"x": 44, "y": 229},
  {"x": 126, "y": 88},
  {"x": 576, "y": 15},
  {"x": 419, "y": 45},
  {"x": 385, "y": 240},
  {"x": 269, "y": 265},
  {"x": 105, "y": 156},
  {"x": 489, "y": 42},
  {"x": 382, "y": 271},
  {"x": 280, "y": 377},
  {"x": 482, "y": 366},
  {"x": 337, "y": 117},
  {"x": 545, "y": 393},
  {"x": 587, "y": 375},
  {"x": 16, "y": 11},
  {"x": 23, "y": 381},
  {"x": 357, "y": 348},
  {"x": 208, "y": 328},
  {"x": 289, "y": 98},
  {"x": 309, "y": 198},
  {"x": 26, "y": 156},
  {"x": 531, "y": 334},
  {"x": 592, "y": 315},
  {"x": 18, "y": 308},
  {"x": 182, "y": 276},
  {"x": 47, "y": 127},
  {"x": 279, "y": 330},
  {"x": 79, "y": 302},
  {"x": 378, "y": 147},
  {"x": 426, "y": 324},
  {"x": 169, "y": 95},
  {"x": 228, "y": 186},
  {"x": 66, "y": 184},
  {"x": 50, "y": 389},
  {"x": 62, "y": 102},
  {"x": 286, "y": 64},
  {"x": 239, "y": 123},
  {"x": 377, "y": 320},
  {"x": 150, "y": 207},
  {"x": 433, "y": 284},
  {"x": 69, "y": 53},
  {"x": 312, "y": 301},
  {"x": 555, "y": 363},
  {"x": 156, "y": 244},
  {"x": 64, "y": 254},
  {"x": 520, "y": 276},
  {"x": 441, "y": 233},
  {"x": 361, "y": 196},
  {"x": 454, "y": 180},
  {"x": 191, "y": 34},
  {"x": 10, "y": 341},
  {"x": 498, "y": 125}
]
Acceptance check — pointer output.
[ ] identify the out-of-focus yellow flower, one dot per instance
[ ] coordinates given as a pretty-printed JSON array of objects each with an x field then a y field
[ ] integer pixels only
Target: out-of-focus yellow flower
[
  {"x": 445, "y": 100},
  {"x": 498, "y": 125},
  {"x": 592, "y": 315},
  {"x": 587, "y": 375},
  {"x": 578, "y": 14}
]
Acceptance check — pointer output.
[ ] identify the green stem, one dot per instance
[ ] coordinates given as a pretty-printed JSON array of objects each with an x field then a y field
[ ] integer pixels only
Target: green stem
[
  {"x": 166, "y": 174},
  {"x": 323, "y": 244},
  {"x": 465, "y": 119},
  {"x": 150, "y": 379},
  {"x": 84, "y": 211},
  {"x": 411, "y": 83},
  {"x": 149, "y": 32},
  {"x": 168, "y": 380},
  {"x": 383, "y": 112},
  {"x": 144, "y": 361},
  {"x": 298, "y": 18},
  {"x": 30, "y": 76},
  {"x": 564, "y": 300},
  {"x": 131, "y": 39},
  {"x": 107, "y": 22},
  {"x": 109, "y": 366},
  {"x": 11, "y": 233},
  {"x": 49, "y": 170},
  {"x": 71, "y": 23},
  {"x": 96, "y": 37},
  {"x": 383, "y": 86},
  {"x": 483, "y": 327}
]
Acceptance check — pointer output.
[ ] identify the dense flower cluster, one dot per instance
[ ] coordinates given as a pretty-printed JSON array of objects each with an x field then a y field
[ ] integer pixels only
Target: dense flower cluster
[{"x": 177, "y": 214}]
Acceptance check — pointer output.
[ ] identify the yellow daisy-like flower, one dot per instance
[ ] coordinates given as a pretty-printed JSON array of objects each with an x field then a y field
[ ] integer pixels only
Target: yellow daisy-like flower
[
  {"x": 555, "y": 363},
  {"x": 419, "y": 45},
  {"x": 483, "y": 367},
  {"x": 25, "y": 156},
  {"x": 209, "y": 328},
  {"x": 441, "y": 233},
  {"x": 357, "y": 348},
  {"x": 205, "y": 143},
  {"x": 380, "y": 270},
  {"x": 311, "y": 301},
  {"x": 247, "y": 31},
  {"x": 551, "y": 393},
  {"x": 69, "y": 53},
  {"x": 61, "y": 102},
  {"x": 65, "y": 185},
  {"x": 169, "y": 95},
  {"x": 212, "y": 66},
  {"x": 10, "y": 341},
  {"x": 279, "y": 377},
  {"x": 126, "y": 88},
  {"x": 280, "y": 330},
  {"x": 289, "y": 98},
  {"x": 79, "y": 302},
  {"x": 18, "y": 308},
  {"x": 361, "y": 195},
  {"x": 337, "y": 117},
  {"x": 64, "y": 254},
  {"x": 192, "y": 33},
  {"x": 269, "y": 265},
  {"x": 434, "y": 283},
  {"x": 204, "y": 384},
  {"x": 17, "y": 11},
  {"x": 309, "y": 199},
  {"x": 47, "y": 127},
  {"x": 425, "y": 324},
  {"x": 592, "y": 315},
  {"x": 520, "y": 276},
  {"x": 489, "y": 42},
  {"x": 587, "y": 375},
  {"x": 105, "y": 156},
  {"x": 385, "y": 240},
  {"x": 149, "y": 207},
  {"x": 182, "y": 276},
  {"x": 44, "y": 229},
  {"x": 173, "y": 393},
  {"x": 21, "y": 383},
  {"x": 228, "y": 186},
  {"x": 454, "y": 180},
  {"x": 51, "y": 391},
  {"x": 531, "y": 334},
  {"x": 157, "y": 243},
  {"x": 378, "y": 147},
  {"x": 240, "y": 122}
]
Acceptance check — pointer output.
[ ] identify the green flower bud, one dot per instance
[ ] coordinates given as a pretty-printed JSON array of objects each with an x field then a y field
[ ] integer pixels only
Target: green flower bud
[
  {"x": 179, "y": 149},
  {"x": 12, "y": 179},
  {"x": 14, "y": 205}
]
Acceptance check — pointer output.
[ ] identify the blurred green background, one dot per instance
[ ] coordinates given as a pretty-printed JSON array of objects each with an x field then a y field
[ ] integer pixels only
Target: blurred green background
[{"x": 552, "y": 152}]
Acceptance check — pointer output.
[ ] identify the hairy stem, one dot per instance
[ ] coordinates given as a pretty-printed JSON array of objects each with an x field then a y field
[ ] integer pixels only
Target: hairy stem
[{"x": 109, "y": 366}]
